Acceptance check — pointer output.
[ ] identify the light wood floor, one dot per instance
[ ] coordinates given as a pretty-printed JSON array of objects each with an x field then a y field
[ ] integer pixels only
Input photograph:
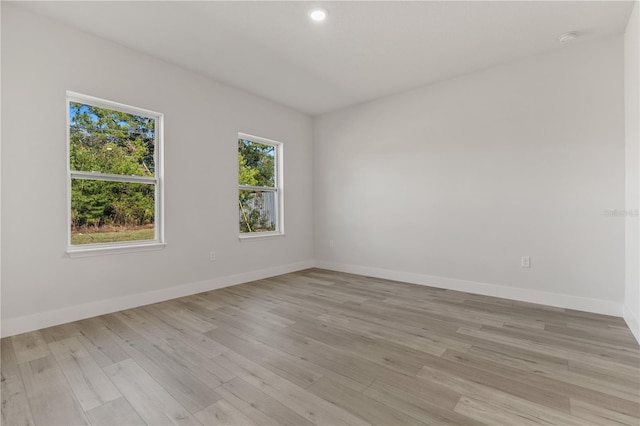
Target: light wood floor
[{"x": 320, "y": 347}]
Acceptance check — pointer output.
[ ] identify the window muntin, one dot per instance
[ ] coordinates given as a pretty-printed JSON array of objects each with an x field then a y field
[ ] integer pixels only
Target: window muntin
[
  {"x": 114, "y": 174},
  {"x": 260, "y": 191}
]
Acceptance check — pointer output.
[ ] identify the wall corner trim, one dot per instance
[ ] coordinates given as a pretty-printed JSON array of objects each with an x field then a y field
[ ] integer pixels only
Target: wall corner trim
[
  {"x": 13, "y": 326},
  {"x": 632, "y": 321}
]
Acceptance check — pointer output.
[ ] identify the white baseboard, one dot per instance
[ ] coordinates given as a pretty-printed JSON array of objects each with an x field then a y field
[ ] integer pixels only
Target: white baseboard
[
  {"x": 586, "y": 304},
  {"x": 12, "y": 326},
  {"x": 632, "y": 321}
]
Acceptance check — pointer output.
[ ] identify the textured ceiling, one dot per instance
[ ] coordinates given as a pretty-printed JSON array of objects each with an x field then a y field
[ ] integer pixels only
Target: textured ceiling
[{"x": 364, "y": 50}]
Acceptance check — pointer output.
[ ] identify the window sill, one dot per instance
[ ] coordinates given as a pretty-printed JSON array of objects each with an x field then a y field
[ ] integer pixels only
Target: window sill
[
  {"x": 260, "y": 236},
  {"x": 113, "y": 249}
]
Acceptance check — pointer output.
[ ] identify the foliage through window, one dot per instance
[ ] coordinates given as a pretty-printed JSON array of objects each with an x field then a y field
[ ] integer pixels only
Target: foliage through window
[
  {"x": 259, "y": 196},
  {"x": 113, "y": 172}
]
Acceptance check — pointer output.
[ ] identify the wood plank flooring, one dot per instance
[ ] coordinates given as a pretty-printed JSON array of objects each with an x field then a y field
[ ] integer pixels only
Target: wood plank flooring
[{"x": 324, "y": 348}]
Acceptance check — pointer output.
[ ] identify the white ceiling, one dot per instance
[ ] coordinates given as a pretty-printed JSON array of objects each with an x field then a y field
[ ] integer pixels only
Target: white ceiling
[{"x": 364, "y": 50}]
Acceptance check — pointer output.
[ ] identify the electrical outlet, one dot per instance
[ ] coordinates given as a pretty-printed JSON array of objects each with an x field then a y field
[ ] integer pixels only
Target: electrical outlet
[
  {"x": 525, "y": 262},
  {"x": 331, "y": 244},
  {"x": 212, "y": 256}
]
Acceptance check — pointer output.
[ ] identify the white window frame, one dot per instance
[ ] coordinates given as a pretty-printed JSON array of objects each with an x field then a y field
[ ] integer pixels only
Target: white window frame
[
  {"x": 278, "y": 188},
  {"x": 82, "y": 250}
]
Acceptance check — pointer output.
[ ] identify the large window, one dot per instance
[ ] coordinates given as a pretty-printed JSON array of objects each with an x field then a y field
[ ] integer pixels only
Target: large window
[
  {"x": 260, "y": 186},
  {"x": 114, "y": 174}
]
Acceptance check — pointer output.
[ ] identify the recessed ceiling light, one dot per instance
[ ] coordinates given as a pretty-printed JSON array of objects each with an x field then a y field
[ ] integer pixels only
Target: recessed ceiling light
[
  {"x": 568, "y": 37},
  {"x": 318, "y": 14}
]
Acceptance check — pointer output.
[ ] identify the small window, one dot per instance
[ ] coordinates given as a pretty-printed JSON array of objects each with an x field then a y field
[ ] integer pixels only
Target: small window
[
  {"x": 114, "y": 174},
  {"x": 260, "y": 186}
]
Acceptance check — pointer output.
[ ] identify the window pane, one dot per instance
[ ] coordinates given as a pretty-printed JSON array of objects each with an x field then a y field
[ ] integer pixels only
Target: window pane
[
  {"x": 108, "y": 141},
  {"x": 106, "y": 212},
  {"x": 256, "y": 164},
  {"x": 257, "y": 211}
]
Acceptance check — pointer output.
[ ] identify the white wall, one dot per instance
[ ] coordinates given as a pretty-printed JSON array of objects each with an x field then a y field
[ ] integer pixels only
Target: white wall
[
  {"x": 41, "y": 286},
  {"x": 447, "y": 185},
  {"x": 632, "y": 177},
  {"x": 0, "y": 173},
  {"x": 450, "y": 184}
]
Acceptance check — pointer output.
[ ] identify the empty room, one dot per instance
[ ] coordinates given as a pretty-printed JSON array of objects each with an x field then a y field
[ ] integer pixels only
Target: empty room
[{"x": 320, "y": 212}]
